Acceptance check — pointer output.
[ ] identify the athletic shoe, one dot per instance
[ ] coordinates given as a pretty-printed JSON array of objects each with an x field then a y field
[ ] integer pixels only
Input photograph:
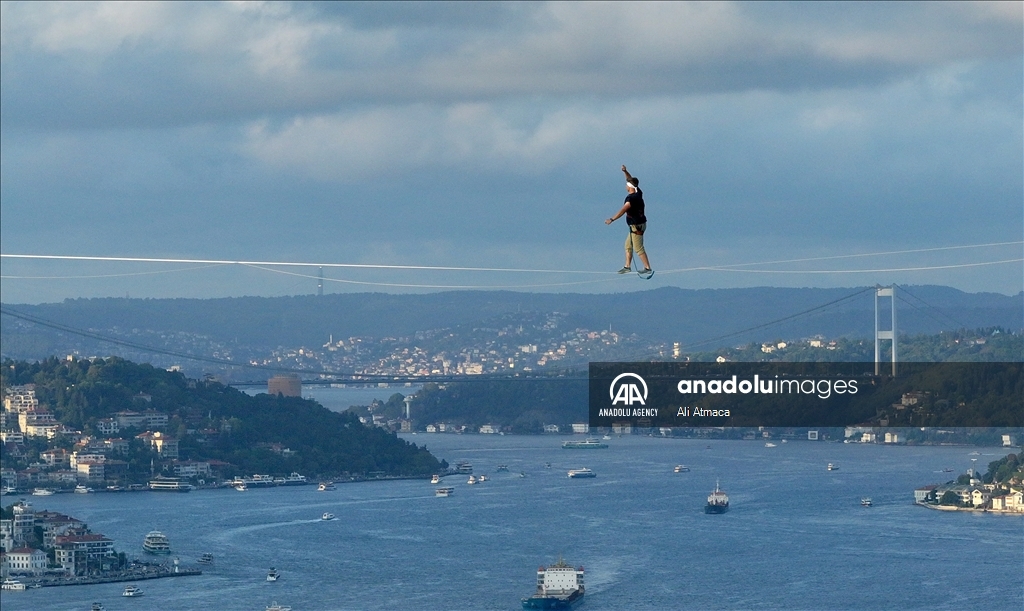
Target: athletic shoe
[
  {"x": 647, "y": 274},
  {"x": 625, "y": 270}
]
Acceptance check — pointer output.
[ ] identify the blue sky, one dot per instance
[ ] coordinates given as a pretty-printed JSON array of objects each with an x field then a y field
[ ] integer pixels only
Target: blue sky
[{"x": 491, "y": 135}]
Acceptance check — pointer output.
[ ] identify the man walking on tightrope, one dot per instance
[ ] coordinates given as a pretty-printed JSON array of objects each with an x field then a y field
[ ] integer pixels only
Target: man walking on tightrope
[{"x": 633, "y": 208}]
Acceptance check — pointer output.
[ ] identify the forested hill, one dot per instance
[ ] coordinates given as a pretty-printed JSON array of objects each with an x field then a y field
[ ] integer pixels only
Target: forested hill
[
  {"x": 217, "y": 422},
  {"x": 666, "y": 314}
]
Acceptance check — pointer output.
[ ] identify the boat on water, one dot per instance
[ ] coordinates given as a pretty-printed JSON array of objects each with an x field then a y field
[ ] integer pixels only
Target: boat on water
[
  {"x": 8, "y": 490},
  {"x": 586, "y": 444},
  {"x": 681, "y": 469},
  {"x": 446, "y": 491},
  {"x": 276, "y": 607},
  {"x": 866, "y": 501},
  {"x": 581, "y": 473},
  {"x": 169, "y": 484},
  {"x": 294, "y": 479},
  {"x": 326, "y": 486},
  {"x": 240, "y": 486},
  {"x": 12, "y": 585},
  {"x": 156, "y": 543},
  {"x": 132, "y": 590},
  {"x": 463, "y": 467},
  {"x": 97, "y": 607},
  {"x": 501, "y": 468},
  {"x": 206, "y": 558},
  {"x": 43, "y": 492},
  {"x": 606, "y": 437},
  {"x": 327, "y": 516},
  {"x": 832, "y": 467},
  {"x": 273, "y": 575},
  {"x": 559, "y": 586},
  {"x": 718, "y": 501},
  {"x": 472, "y": 479},
  {"x": 769, "y": 445},
  {"x": 482, "y": 478},
  {"x": 435, "y": 479},
  {"x": 80, "y": 489},
  {"x": 947, "y": 470}
]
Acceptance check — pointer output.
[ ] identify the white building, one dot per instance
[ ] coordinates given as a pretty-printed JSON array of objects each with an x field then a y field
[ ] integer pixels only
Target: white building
[
  {"x": 580, "y": 428},
  {"x": 488, "y": 429},
  {"x": 26, "y": 560}
]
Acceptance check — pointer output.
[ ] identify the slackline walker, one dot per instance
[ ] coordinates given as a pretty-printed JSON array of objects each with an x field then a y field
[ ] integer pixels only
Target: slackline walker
[{"x": 633, "y": 208}]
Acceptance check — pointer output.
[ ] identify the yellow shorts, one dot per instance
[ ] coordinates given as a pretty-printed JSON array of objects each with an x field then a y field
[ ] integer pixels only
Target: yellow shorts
[{"x": 635, "y": 238}]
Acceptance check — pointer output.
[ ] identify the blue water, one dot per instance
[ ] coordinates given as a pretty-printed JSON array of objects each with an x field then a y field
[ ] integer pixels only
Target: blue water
[{"x": 795, "y": 538}]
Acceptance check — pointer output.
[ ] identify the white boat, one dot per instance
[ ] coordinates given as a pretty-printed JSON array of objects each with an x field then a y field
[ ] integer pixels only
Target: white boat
[
  {"x": 97, "y": 607},
  {"x": 866, "y": 501},
  {"x": 80, "y": 489},
  {"x": 12, "y": 585},
  {"x": 325, "y": 486},
  {"x": 43, "y": 492},
  {"x": 276, "y": 607},
  {"x": 156, "y": 543},
  {"x": 447, "y": 491},
  {"x": 769, "y": 445},
  {"x": 832, "y": 467},
  {"x": 295, "y": 480},
  {"x": 327, "y": 516},
  {"x": 482, "y": 478},
  {"x": 681, "y": 469},
  {"x": 606, "y": 437},
  {"x": 8, "y": 490},
  {"x": 241, "y": 487},
  {"x": 436, "y": 479},
  {"x": 472, "y": 479},
  {"x": 581, "y": 473},
  {"x": 272, "y": 574},
  {"x": 132, "y": 590}
]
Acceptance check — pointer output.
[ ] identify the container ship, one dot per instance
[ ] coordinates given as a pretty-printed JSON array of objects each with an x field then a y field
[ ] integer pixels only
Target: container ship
[
  {"x": 559, "y": 586},
  {"x": 718, "y": 501}
]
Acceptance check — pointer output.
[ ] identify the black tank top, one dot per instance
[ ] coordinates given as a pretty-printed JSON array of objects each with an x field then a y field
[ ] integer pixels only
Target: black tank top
[{"x": 635, "y": 214}]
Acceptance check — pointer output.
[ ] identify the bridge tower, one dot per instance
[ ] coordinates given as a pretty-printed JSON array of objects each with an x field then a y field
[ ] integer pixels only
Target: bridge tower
[{"x": 890, "y": 292}]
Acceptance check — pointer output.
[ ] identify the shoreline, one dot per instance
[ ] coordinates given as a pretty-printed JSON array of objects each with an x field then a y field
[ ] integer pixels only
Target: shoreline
[
  {"x": 968, "y": 509},
  {"x": 127, "y": 576}
]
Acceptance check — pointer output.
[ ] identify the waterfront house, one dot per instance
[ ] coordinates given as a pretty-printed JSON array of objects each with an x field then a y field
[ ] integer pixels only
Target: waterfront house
[
  {"x": 1014, "y": 502},
  {"x": 74, "y": 552},
  {"x": 26, "y": 560},
  {"x": 108, "y": 426}
]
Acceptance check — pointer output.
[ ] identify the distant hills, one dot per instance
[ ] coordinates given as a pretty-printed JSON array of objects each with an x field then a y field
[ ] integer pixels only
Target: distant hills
[{"x": 727, "y": 317}]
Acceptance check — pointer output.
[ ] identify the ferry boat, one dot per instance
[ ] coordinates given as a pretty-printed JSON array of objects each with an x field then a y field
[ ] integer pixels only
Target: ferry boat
[
  {"x": 327, "y": 516},
  {"x": 261, "y": 481},
  {"x": 447, "y": 491},
  {"x": 276, "y": 607},
  {"x": 866, "y": 501},
  {"x": 206, "y": 558},
  {"x": 132, "y": 590},
  {"x": 463, "y": 468},
  {"x": 435, "y": 479},
  {"x": 581, "y": 473},
  {"x": 156, "y": 543},
  {"x": 43, "y": 492},
  {"x": 273, "y": 575},
  {"x": 559, "y": 586},
  {"x": 718, "y": 501},
  {"x": 12, "y": 585},
  {"x": 326, "y": 486},
  {"x": 586, "y": 444},
  {"x": 169, "y": 484},
  {"x": 294, "y": 479},
  {"x": 681, "y": 469},
  {"x": 832, "y": 467}
]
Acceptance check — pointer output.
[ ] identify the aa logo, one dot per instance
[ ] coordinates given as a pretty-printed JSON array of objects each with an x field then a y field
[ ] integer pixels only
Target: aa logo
[{"x": 624, "y": 389}]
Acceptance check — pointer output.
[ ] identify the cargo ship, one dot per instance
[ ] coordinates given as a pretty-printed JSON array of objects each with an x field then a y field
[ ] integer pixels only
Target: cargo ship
[
  {"x": 718, "y": 501},
  {"x": 559, "y": 586}
]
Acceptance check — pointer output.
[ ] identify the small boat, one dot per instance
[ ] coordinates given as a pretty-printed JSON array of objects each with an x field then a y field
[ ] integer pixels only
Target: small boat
[
  {"x": 8, "y": 490},
  {"x": 327, "y": 516},
  {"x": 547, "y": 465},
  {"x": 324, "y": 486},
  {"x": 447, "y": 491},
  {"x": 97, "y": 607},
  {"x": 501, "y": 468},
  {"x": 156, "y": 543},
  {"x": 241, "y": 487},
  {"x": 482, "y": 478},
  {"x": 435, "y": 479},
  {"x": 472, "y": 479},
  {"x": 581, "y": 473},
  {"x": 272, "y": 574},
  {"x": 947, "y": 470},
  {"x": 43, "y": 492},
  {"x": 866, "y": 501},
  {"x": 769, "y": 445},
  {"x": 276, "y": 607},
  {"x": 80, "y": 489},
  {"x": 132, "y": 590},
  {"x": 832, "y": 467},
  {"x": 12, "y": 585},
  {"x": 784, "y": 441},
  {"x": 681, "y": 469},
  {"x": 975, "y": 453},
  {"x": 606, "y": 437},
  {"x": 206, "y": 559}
]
